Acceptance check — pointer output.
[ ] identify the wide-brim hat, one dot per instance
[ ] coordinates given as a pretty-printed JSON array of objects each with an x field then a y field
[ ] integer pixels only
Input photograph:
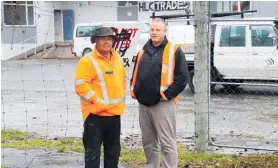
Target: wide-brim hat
[{"x": 104, "y": 31}]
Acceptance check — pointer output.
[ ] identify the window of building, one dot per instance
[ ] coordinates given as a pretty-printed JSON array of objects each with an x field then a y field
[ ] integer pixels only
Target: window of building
[
  {"x": 18, "y": 13},
  {"x": 238, "y": 6},
  {"x": 127, "y": 3},
  {"x": 127, "y": 11},
  {"x": 233, "y": 36},
  {"x": 263, "y": 35}
]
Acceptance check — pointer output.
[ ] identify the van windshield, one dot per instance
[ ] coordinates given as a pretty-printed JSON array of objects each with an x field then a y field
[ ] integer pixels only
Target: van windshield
[{"x": 85, "y": 31}]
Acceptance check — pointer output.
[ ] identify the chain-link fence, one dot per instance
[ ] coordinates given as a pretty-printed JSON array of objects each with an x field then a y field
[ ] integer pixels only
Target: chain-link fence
[
  {"x": 41, "y": 117},
  {"x": 238, "y": 107},
  {"x": 244, "y": 86},
  {"x": 240, "y": 54}
]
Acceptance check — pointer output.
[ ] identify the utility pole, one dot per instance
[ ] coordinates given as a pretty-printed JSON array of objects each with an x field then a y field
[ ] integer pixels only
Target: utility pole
[{"x": 201, "y": 77}]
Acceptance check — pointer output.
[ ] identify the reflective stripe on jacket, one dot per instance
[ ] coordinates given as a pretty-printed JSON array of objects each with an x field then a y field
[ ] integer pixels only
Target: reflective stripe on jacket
[
  {"x": 167, "y": 70},
  {"x": 100, "y": 83}
]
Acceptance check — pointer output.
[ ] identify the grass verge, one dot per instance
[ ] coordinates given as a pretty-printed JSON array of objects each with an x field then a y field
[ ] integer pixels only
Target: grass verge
[
  {"x": 274, "y": 117},
  {"x": 244, "y": 136},
  {"x": 134, "y": 158},
  {"x": 186, "y": 110}
]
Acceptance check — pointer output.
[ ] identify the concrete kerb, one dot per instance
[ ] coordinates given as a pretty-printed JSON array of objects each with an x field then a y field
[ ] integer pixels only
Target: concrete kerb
[{"x": 31, "y": 52}]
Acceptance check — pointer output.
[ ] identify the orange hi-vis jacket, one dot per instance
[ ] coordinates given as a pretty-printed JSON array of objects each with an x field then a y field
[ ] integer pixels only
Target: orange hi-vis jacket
[
  {"x": 101, "y": 84},
  {"x": 167, "y": 70}
]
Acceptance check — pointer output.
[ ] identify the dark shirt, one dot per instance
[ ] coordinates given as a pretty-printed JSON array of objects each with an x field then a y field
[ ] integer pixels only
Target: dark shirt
[
  {"x": 153, "y": 49},
  {"x": 147, "y": 87}
]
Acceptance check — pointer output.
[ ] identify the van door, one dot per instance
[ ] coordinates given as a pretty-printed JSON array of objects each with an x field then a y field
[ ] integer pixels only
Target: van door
[
  {"x": 129, "y": 35},
  {"x": 231, "y": 51},
  {"x": 263, "y": 59}
]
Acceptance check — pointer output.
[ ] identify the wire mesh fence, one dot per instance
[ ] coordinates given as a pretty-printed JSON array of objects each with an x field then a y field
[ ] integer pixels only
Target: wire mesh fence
[
  {"x": 243, "y": 84},
  {"x": 38, "y": 98},
  {"x": 240, "y": 55}
]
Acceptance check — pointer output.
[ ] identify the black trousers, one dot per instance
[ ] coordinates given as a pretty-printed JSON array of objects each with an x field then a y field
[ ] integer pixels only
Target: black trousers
[{"x": 98, "y": 130}]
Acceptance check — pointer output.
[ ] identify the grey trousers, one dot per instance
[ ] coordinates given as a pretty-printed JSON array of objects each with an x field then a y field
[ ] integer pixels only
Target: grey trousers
[{"x": 158, "y": 125}]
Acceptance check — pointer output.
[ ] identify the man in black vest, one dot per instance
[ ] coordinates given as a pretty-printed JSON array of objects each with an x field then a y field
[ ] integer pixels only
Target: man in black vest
[{"x": 157, "y": 113}]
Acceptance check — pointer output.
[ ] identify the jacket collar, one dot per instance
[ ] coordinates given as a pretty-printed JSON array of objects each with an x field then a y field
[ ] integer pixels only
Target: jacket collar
[
  {"x": 97, "y": 53},
  {"x": 150, "y": 44}
]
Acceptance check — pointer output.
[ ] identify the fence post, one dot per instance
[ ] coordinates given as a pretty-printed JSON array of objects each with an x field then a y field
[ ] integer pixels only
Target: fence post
[
  {"x": 36, "y": 45},
  {"x": 201, "y": 76},
  {"x": 25, "y": 54}
]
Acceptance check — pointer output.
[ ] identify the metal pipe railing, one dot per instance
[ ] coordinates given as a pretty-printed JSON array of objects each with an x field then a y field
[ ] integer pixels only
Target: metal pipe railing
[{"x": 35, "y": 38}]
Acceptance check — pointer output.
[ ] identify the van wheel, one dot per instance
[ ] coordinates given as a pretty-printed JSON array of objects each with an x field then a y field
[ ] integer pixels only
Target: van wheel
[
  {"x": 86, "y": 52},
  {"x": 191, "y": 81},
  {"x": 192, "y": 84},
  {"x": 231, "y": 88}
]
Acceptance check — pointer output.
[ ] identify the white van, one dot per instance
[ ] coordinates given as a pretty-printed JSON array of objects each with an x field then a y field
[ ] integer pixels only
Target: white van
[
  {"x": 184, "y": 35},
  {"x": 132, "y": 35},
  {"x": 242, "y": 52}
]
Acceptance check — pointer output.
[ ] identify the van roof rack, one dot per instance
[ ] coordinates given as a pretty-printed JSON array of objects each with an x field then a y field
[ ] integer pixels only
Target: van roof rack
[{"x": 213, "y": 15}]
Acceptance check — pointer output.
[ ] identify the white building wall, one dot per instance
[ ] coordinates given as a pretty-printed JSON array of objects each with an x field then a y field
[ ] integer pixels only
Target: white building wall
[
  {"x": 145, "y": 15},
  {"x": 265, "y": 8},
  {"x": 93, "y": 11},
  {"x": 44, "y": 22}
]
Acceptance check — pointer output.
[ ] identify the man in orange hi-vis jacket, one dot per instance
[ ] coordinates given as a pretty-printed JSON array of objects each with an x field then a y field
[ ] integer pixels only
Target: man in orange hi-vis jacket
[
  {"x": 160, "y": 74},
  {"x": 100, "y": 82}
]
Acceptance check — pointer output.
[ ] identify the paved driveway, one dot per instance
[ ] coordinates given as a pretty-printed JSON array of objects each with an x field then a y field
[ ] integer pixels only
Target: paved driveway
[{"x": 38, "y": 96}]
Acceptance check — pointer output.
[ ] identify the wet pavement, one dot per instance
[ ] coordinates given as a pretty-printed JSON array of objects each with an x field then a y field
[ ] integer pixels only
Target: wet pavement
[
  {"x": 38, "y": 96},
  {"x": 36, "y": 158},
  {"x": 42, "y": 158}
]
